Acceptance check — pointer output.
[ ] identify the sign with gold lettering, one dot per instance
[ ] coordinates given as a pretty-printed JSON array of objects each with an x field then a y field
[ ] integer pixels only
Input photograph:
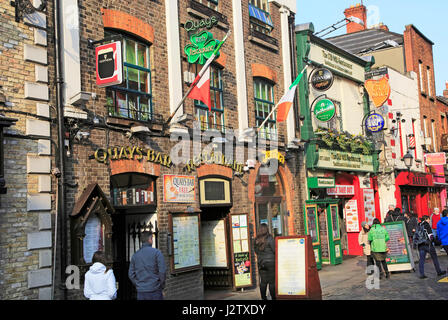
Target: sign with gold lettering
[
  {"x": 213, "y": 158},
  {"x": 132, "y": 153},
  {"x": 379, "y": 91},
  {"x": 273, "y": 154}
]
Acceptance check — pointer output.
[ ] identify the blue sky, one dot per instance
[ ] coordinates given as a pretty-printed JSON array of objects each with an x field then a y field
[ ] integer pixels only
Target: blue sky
[{"x": 429, "y": 16}]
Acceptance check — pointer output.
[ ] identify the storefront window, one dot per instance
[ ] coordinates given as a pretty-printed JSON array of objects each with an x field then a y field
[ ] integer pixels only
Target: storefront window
[
  {"x": 215, "y": 118},
  {"x": 264, "y": 103},
  {"x": 270, "y": 204},
  {"x": 132, "y": 99},
  {"x": 133, "y": 189}
]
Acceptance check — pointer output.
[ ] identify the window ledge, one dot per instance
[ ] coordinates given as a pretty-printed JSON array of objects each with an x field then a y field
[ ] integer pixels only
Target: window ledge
[
  {"x": 264, "y": 40},
  {"x": 197, "y": 9}
]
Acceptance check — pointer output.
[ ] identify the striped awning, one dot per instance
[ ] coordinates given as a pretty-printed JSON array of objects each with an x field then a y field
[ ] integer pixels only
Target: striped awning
[{"x": 260, "y": 15}]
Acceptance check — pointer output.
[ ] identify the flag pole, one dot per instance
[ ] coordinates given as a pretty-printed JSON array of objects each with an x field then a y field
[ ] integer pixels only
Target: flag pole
[
  {"x": 275, "y": 108},
  {"x": 198, "y": 78}
]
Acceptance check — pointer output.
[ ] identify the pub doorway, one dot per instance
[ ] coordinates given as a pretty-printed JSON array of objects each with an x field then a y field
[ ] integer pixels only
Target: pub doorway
[{"x": 133, "y": 197}]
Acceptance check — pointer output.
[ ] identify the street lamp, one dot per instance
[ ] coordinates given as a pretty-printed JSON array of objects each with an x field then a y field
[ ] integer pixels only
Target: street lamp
[{"x": 408, "y": 159}]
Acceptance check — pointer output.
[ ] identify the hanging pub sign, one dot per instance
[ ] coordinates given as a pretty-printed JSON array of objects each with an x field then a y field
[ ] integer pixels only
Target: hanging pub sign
[
  {"x": 379, "y": 91},
  {"x": 109, "y": 64},
  {"x": 201, "y": 48},
  {"x": 435, "y": 159},
  {"x": 375, "y": 123},
  {"x": 324, "y": 110},
  {"x": 322, "y": 79}
]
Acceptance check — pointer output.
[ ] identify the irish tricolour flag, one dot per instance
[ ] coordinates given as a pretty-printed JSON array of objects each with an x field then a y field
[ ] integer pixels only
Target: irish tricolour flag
[{"x": 287, "y": 100}]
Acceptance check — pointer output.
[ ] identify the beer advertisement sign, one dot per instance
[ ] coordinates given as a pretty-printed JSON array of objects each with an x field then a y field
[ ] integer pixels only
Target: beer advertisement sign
[{"x": 109, "y": 64}]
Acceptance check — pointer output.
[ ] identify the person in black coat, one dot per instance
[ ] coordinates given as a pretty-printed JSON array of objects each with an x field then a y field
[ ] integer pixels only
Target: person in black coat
[
  {"x": 395, "y": 216},
  {"x": 411, "y": 223},
  {"x": 265, "y": 250}
]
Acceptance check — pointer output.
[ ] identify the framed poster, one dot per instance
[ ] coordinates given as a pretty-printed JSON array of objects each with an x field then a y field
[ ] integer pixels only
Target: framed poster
[
  {"x": 369, "y": 205},
  {"x": 213, "y": 244},
  {"x": 312, "y": 223},
  {"x": 180, "y": 189},
  {"x": 240, "y": 245},
  {"x": 400, "y": 256},
  {"x": 335, "y": 222},
  {"x": 185, "y": 242},
  {"x": 351, "y": 216},
  {"x": 290, "y": 266}
]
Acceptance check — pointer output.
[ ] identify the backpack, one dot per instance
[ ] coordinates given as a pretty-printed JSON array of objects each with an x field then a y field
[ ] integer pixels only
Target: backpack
[{"x": 421, "y": 236}]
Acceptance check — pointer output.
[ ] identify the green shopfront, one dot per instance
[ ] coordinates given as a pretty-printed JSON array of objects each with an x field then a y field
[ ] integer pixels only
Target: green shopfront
[{"x": 341, "y": 160}]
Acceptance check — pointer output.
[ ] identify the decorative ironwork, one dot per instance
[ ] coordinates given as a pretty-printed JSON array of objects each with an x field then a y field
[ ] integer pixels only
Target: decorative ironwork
[{"x": 26, "y": 7}]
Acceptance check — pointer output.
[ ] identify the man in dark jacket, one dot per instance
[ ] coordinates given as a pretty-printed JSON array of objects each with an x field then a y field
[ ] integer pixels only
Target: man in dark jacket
[
  {"x": 426, "y": 247},
  {"x": 147, "y": 270},
  {"x": 395, "y": 216},
  {"x": 411, "y": 223}
]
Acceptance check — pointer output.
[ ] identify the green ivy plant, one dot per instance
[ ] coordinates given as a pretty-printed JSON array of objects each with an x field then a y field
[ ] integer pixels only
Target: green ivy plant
[{"x": 345, "y": 141}]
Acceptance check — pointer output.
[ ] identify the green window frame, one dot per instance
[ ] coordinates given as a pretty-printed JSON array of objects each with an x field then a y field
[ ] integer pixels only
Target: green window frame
[
  {"x": 133, "y": 98},
  {"x": 216, "y": 118},
  {"x": 264, "y": 103}
]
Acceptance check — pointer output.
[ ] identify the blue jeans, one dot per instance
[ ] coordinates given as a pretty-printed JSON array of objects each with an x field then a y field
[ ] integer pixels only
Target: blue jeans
[
  {"x": 423, "y": 250},
  {"x": 155, "y": 295}
]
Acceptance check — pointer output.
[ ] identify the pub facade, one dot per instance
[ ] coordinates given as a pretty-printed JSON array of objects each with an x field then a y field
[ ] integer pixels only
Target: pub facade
[{"x": 139, "y": 159}]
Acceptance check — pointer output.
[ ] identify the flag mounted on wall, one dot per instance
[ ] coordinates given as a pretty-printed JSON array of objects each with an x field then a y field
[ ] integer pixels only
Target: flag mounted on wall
[
  {"x": 201, "y": 91},
  {"x": 287, "y": 100}
]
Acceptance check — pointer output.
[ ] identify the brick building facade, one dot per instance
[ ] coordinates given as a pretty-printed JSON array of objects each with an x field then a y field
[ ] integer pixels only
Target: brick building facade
[{"x": 120, "y": 134}]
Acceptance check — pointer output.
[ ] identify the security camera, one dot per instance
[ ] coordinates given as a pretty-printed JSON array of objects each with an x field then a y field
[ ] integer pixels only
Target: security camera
[{"x": 81, "y": 135}]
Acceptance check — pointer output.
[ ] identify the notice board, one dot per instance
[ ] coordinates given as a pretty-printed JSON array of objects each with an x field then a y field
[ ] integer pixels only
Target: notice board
[
  {"x": 241, "y": 261},
  {"x": 296, "y": 275},
  {"x": 185, "y": 242},
  {"x": 213, "y": 244},
  {"x": 400, "y": 256}
]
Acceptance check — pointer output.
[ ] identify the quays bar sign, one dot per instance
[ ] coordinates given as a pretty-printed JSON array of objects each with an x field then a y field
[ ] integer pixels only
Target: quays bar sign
[{"x": 132, "y": 153}]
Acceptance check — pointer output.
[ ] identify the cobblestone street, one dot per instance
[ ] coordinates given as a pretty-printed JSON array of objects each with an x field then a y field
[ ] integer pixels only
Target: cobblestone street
[{"x": 347, "y": 281}]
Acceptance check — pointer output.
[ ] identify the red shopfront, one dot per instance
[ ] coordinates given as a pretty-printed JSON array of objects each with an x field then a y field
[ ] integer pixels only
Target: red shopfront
[
  {"x": 359, "y": 201},
  {"x": 412, "y": 192}
]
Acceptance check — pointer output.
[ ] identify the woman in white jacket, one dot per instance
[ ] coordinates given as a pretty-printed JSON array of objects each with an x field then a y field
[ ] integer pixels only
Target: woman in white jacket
[{"x": 99, "y": 281}]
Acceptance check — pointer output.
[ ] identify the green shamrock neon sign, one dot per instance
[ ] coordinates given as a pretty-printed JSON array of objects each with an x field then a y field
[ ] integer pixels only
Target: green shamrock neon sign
[{"x": 201, "y": 47}]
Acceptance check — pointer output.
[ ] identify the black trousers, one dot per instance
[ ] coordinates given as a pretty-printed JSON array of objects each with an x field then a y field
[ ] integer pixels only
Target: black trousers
[
  {"x": 382, "y": 263},
  {"x": 267, "y": 278}
]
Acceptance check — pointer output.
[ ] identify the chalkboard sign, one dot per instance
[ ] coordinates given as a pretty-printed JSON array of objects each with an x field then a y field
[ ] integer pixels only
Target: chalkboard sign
[
  {"x": 185, "y": 242},
  {"x": 242, "y": 273},
  {"x": 312, "y": 225},
  {"x": 400, "y": 256}
]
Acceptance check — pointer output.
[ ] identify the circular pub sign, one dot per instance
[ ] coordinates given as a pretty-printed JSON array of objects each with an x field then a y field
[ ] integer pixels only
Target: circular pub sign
[
  {"x": 375, "y": 122},
  {"x": 322, "y": 79},
  {"x": 325, "y": 110}
]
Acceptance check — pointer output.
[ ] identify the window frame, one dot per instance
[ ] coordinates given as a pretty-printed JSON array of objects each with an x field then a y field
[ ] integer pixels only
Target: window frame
[
  {"x": 212, "y": 4},
  {"x": 258, "y": 120},
  {"x": 218, "y": 92},
  {"x": 258, "y": 25},
  {"x": 115, "y": 110}
]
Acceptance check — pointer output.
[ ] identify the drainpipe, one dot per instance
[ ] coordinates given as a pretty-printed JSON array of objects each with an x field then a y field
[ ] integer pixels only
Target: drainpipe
[{"x": 61, "y": 209}]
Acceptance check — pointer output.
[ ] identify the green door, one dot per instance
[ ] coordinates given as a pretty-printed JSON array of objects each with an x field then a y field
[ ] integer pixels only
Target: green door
[
  {"x": 334, "y": 234},
  {"x": 312, "y": 229}
]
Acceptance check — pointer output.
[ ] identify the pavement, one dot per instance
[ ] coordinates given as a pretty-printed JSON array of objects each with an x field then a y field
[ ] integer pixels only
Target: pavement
[{"x": 348, "y": 281}]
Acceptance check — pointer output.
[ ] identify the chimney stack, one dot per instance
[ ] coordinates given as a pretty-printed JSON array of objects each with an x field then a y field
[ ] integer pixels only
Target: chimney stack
[
  {"x": 359, "y": 12},
  {"x": 445, "y": 92}
]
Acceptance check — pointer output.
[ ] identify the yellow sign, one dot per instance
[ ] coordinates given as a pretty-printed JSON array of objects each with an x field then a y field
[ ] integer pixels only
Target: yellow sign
[
  {"x": 273, "y": 154},
  {"x": 379, "y": 90}
]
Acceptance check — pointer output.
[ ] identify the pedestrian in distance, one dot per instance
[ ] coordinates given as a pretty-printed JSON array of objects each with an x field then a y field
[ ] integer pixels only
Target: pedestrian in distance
[
  {"x": 442, "y": 230},
  {"x": 99, "y": 283},
  {"x": 147, "y": 270},
  {"x": 265, "y": 250},
  {"x": 378, "y": 237},
  {"x": 365, "y": 244},
  {"x": 434, "y": 220},
  {"x": 396, "y": 215},
  {"x": 423, "y": 240},
  {"x": 389, "y": 212},
  {"x": 411, "y": 222}
]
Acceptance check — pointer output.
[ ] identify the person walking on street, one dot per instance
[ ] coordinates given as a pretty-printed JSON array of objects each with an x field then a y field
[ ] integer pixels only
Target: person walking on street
[
  {"x": 147, "y": 270},
  {"x": 442, "y": 230},
  {"x": 265, "y": 250},
  {"x": 389, "y": 213},
  {"x": 396, "y": 215},
  {"x": 434, "y": 220},
  {"x": 423, "y": 239},
  {"x": 411, "y": 222},
  {"x": 99, "y": 283},
  {"x": 365, "y": 244},
  {"x": 378, "y": 237}
]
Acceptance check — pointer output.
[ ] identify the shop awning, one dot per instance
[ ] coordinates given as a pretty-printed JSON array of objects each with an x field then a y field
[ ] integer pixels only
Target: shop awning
[
  {"x": 260, "y": 15},
  {"x": 441, "y": 184}
]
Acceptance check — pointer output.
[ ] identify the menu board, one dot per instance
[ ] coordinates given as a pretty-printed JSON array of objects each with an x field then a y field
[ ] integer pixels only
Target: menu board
[
  {"x": 94, "y": 237},
  {"x": 241, "y": 251},
  {"x": 185, "y": 242},
  {"x": 351, "y": 216},
  {"x": 291, "y": 266},
  {"x": 213, "y": 244},
  {"x": 335, "y": 222},
  {"x": 369, "y": 205},
  {"x": 311, "y": 221},
  {"x": 398, "y": 244}
]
